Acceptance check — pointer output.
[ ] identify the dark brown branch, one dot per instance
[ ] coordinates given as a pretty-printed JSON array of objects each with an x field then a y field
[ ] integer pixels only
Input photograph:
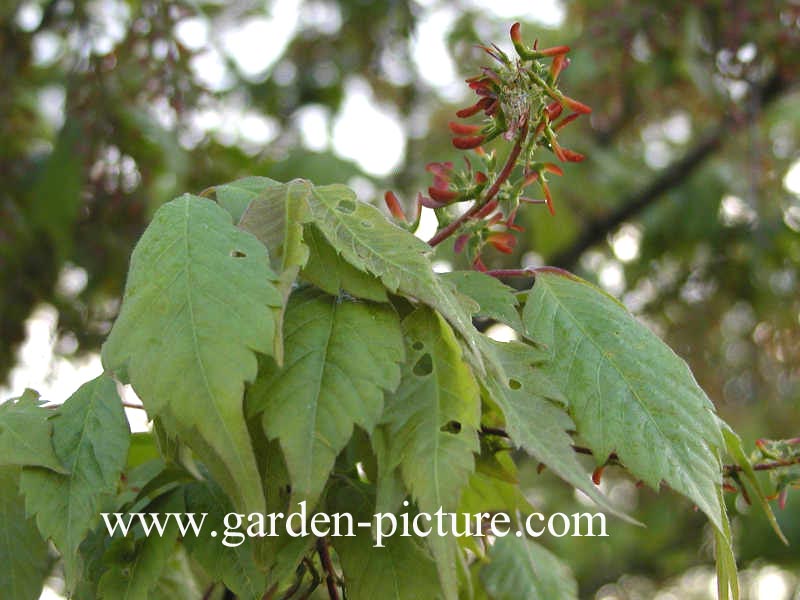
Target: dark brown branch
[
  {"x": 327, "y": 564},
  {"x": 727, "y": 470},
  {"x": 672, "y": 176}
]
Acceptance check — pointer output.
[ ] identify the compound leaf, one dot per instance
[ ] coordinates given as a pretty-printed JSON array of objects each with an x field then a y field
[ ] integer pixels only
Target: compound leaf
[
  {"x": 276, "y": 216},
  {"x": 237, "y": 195},
  {"x": 431, "y": 426},
  {"x": 90, "y": 438},
  {"x": 340, "y": 358},
  {"x": 233, "y": 565},
  {"x": 521, "y": 569},
  {"x": 400, "y": 570},
  {"x": 495, "y": 299},
  {"x": 25, "y": 434},
  {"x": 330, "y": 272},
  {"x": 628, "y": 392},
  {"x": 132, "y": 576},
  {"x": 24, "y": 564},
  {"x": 535, "y": 414},
  {"x": 197, "y": 307},
  {"x": 369, "y": 242}
]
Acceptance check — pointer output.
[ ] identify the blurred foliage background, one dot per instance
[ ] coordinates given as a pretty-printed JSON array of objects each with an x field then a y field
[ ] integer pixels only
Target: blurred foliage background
[{"x": 687, "y": 207}]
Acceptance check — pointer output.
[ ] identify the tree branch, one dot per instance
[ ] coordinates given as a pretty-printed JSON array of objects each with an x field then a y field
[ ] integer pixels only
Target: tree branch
[
  {"x": 327, "y": 564},
  {"x": 672, "y": 176},
  {"x": 727, "y": 470}
]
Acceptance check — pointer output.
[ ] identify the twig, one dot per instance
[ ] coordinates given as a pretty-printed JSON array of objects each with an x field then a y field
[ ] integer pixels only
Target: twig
[
  {"x": 479, "y": 205},
  {"x": 327, "y": 564},
  {"x": 209, "y": 590},
  {"x": 498, "y": 273},
  {"x": 134, "y": 405},
  {"x": 727, "y": 470}
]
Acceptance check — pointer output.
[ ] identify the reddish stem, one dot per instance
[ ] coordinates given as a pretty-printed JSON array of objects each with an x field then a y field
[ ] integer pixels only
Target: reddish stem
[
  {"x": 498, "y": 273},
  {"x": 504, "y": 174}
]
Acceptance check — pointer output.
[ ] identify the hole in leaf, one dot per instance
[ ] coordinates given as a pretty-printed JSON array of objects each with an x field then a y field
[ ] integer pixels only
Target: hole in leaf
[
  {"x": 514, "y": 384},
  {"x": 346, "y": 206},
  {"x": 451, "y": 427},
  {"x": 418, "y": 346},
  {"x": 366, "y": 224},
  {"x": 238, "y": 254},
  {"x": 424, "y": 366}
]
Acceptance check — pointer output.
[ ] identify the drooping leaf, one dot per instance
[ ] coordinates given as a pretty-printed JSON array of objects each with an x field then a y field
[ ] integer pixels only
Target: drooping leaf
[
  {"x": 536, "y": 420},
  {"x": 628, "y": 392},
  {"x": 401, "y": 570},
  {"x": 495, "y": 299},
  {"x": 727, "y": 576},
  {"x": 369, "y": 242},
  {"x": 25, "y": 434},
  {"x": 330, "y": 272},
  {"x": 521, "y": 569},
  {"x": 24, "y": 564},
  {"x": 340, "y": 358},
  {"x": 133, "y": 574},
  {"x": 733, "y": 444},
  {"x": 197, "y": 307},
  {"x": 431, "y": 423},
  {"x": 90, "y": 438},
  {"x": 235, "y": 566},
  {"x": 276, "y": 216}
]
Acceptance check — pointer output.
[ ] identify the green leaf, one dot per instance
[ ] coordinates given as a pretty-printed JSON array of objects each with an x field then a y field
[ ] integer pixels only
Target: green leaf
[
  {"x": 132, "y": 576},
  {"x": 495, "y": 299},
  {"x": 330, "y": 272},
  {"x": 276, "y": 216},
  {"x": 492, "y": 488},
  {"x": 521, "y": 569},
  {"x": 733, "y": 444},
  {"x": 25, "y": 434},
  {"x": 727, "y": 577},
  {"x": 628, "y": 392},
  {"x": 90, "y": 437},
  {"x": 401, "y": 570},
  {"x": 235, "y": 565},
  {"x": 178, "y": 580},
  {"x": 237, "y": 195},
  {"x": 340, "y": 357},
  {"x": 536, "y": 420},
  {"x": 431, "y": 424},
  {"x": 24, "y": 564},
  {"x": 197, "y": 307},
  {"x": 369, "y": 242}
]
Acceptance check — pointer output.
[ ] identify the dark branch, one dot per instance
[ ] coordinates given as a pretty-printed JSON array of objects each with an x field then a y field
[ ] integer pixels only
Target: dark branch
[
  {"x": 727, "y": 470},
  {"x": 672, "y": 176},
  {"x": 327, "y": 564}
]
